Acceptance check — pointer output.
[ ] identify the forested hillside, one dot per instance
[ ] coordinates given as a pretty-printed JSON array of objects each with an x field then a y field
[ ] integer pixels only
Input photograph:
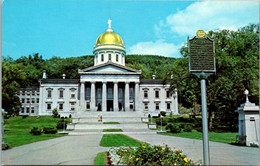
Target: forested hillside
[{"x": 237, "y": 63}]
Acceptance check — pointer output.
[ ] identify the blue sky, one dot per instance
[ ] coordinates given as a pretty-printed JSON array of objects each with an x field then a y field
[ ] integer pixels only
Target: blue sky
[{"x": 69, "y": 28}]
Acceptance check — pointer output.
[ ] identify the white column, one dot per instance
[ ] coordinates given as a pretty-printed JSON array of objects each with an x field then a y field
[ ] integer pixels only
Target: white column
[
  {"x": 82, "y": 96},
  {"x": 104, "y": 96},
  {"x": 126, "y": 96},
  {"x": 136, "y": 95},
  {"x": 176, "y": 111},
  {"x": 93, "y": 96},
  {"x": 115, "y": 96}
]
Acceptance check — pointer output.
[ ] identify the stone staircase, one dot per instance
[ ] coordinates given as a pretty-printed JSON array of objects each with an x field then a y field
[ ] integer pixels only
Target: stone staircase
[{"x": 129, "y": 122}]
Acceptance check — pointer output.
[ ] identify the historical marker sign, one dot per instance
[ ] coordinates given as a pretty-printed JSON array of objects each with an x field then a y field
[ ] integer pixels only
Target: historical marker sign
[{"x": 202, "y": 54}]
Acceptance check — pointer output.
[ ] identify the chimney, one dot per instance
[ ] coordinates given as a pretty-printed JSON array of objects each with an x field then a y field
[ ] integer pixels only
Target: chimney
[
  {"x": 63, "y": 76},
  {"x": 44, "y": 75},
  {"x": 153, "y": 76}
]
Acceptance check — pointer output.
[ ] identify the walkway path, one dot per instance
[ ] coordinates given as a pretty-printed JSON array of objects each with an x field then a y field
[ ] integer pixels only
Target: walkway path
[
  {"x": 81, "y": 147},
  {"x": 220, "y": 153},
  {"x": 67, "y": 150}
]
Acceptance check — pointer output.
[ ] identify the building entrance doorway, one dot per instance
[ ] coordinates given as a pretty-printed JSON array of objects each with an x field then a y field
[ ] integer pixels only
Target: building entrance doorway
[{"x": 109, "y": 105}]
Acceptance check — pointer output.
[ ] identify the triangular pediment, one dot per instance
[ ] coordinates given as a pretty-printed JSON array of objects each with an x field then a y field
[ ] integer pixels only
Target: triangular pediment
[{"x": 110, "y": 67}]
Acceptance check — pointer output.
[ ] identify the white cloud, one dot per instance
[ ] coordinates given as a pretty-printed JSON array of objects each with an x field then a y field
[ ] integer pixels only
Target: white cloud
[
  {"x": 209, "y": 16},
  {"x": 158, "y": 47}
]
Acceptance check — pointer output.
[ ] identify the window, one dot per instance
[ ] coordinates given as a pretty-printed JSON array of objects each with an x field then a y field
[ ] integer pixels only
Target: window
[
  {"x": 167, "y": 94},
  {"x": 146, "y": 106},
  {"x": 146, "y": 94},
  {"x": 109, "y": 57},
  {"x": 38, "y": 93},
  {"x": 72, "y": 106},
  {"x": 37, "y": 100},
  {"x": 23, "y": 100},
  {"x": 157, "y": 106},
  {"x": 27, "y": 109},
  {"x": 117, "y": 57},
  {"x": 60, "y": 106},
  {"x": 49, "y": 94},
  {"x": 156, "y": 94},
  {"x": 23, "y": 93},
  {"x": 168, "y": 106},
  {"x": 73, "y": 95},
  {"x": 32, "y": 110},
  {"x": 33, "y": 100},
  {"x": 48, "y": 106},
  {"x": 28, "y": 100},
  {"x": 18, "y": 93},
  {"x": 61, "y": 94},
  {"x": 22, "y": 110},
  {"x": 88, "y": 105},
  {"x": 102, "y": 57},
  {"x": 33, "y": 92}
]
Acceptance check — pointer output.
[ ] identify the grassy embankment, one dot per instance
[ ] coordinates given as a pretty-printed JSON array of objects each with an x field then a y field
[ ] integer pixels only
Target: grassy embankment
[{"x": 16, "y": 129}]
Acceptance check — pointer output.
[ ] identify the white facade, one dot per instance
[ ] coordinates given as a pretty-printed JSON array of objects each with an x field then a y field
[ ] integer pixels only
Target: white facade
[{"x": 108, "y": 86}]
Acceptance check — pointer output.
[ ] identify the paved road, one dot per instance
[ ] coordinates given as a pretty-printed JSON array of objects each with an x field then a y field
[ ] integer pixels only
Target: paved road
[
  {"x": 82, "y": 149},
  {"x": 220, "y": 153},
  {"x": 67, "y": 150}
]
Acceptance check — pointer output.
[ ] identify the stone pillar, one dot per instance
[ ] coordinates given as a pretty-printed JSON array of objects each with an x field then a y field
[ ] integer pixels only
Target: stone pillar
[
  {"x": 104, "y": 96},
  {"x": 126, "y": 96},
  {"x": 115, "y": 96},
  {"x": 136, "y": 95},
  {"x": 93, "y": 96},
  {"x": 82, "y": 96}
]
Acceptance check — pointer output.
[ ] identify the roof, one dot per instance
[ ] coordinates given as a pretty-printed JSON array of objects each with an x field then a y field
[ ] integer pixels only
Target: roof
[
  {"x": 151, "y": 81},
  {"x": 35, "y": 88},
  {"x": 129, "y": 69},
  {"x": 60, "y": 81}
]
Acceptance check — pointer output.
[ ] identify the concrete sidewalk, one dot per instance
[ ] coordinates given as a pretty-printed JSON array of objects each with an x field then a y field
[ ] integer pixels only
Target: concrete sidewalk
[
  {"x": 220, "y": 153},
  {"x": 67, "y": 150},
  {"x": 82, "y": 149}
]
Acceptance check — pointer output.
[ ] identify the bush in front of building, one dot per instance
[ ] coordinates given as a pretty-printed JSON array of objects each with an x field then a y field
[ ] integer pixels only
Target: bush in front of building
[
  {"x": 60, "y": 124},
  {"x": 187, "y": 128},
  {"x": 174, "y": 128},
  {"x": 49, "y": 130},
  {"x": 158, "y": 122},
  {"x": 35, "y": 131},
  {"x": 163, "y": 113},
  {"x": 55, "y": 113}
]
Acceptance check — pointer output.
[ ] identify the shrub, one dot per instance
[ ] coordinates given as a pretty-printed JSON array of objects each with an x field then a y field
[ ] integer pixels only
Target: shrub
[
  {"x": 5, "y": 146},
  {"x": 187, "y": 128},
  {"x": 60, "y": 124},
  {"x": 158, "y": 122},
  {"x": 163, "y": 113},
  {"x": 49, "y": 130},
  {"x": 24, "y": 116},
  {"x": 35, "y": 131},
  {"x": 173, "y": 128},
  {"x": 172, "y": 120},
  {"x": 55, "y": 113},
  {"x": 148, "y": 155}
]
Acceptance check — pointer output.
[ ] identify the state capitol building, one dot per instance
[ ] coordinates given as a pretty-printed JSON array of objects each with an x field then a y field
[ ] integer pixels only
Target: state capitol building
[{"x": 108, "y": 86}]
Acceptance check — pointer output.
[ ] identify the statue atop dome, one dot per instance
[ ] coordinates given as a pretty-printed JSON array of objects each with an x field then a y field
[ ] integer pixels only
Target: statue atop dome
[{"x": 109, "y": 28}]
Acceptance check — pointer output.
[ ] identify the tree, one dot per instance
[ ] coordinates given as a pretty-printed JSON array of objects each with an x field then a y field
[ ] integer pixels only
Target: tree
[
  {"x": 13, "y": 78},
  {"x": 237, "y": 69}
]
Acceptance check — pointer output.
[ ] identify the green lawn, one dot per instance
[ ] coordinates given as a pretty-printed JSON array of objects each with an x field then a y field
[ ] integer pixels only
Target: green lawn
[
  {"x": 118, "y": 140},
  {"x": 16, "y": 129},
  {"x": 100, "y": 158},
  {"x": 111, "y": 123},
  {"x": 112, "y": 130},
  {"x": 226, "y": 137}
]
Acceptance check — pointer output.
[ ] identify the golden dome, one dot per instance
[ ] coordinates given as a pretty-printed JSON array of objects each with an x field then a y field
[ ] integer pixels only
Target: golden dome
[{"x": 109, "y": 38}]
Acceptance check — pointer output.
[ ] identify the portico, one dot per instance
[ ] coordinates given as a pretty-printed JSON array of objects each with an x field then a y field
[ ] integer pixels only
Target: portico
[{"x": 107, "y": 95}]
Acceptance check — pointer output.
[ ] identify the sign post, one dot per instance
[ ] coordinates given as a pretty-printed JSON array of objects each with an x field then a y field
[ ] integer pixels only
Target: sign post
[{"x": 202, "y": 64}]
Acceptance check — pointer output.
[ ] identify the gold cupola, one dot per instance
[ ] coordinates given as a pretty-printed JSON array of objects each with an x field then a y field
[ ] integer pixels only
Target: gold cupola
[
  {"x": 109, "y": 37},
  {"x": 109, "y": 47}
]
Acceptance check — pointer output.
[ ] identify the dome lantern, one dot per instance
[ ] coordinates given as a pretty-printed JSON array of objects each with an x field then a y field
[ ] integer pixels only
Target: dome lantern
[{"x": 109, "y": 47}]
